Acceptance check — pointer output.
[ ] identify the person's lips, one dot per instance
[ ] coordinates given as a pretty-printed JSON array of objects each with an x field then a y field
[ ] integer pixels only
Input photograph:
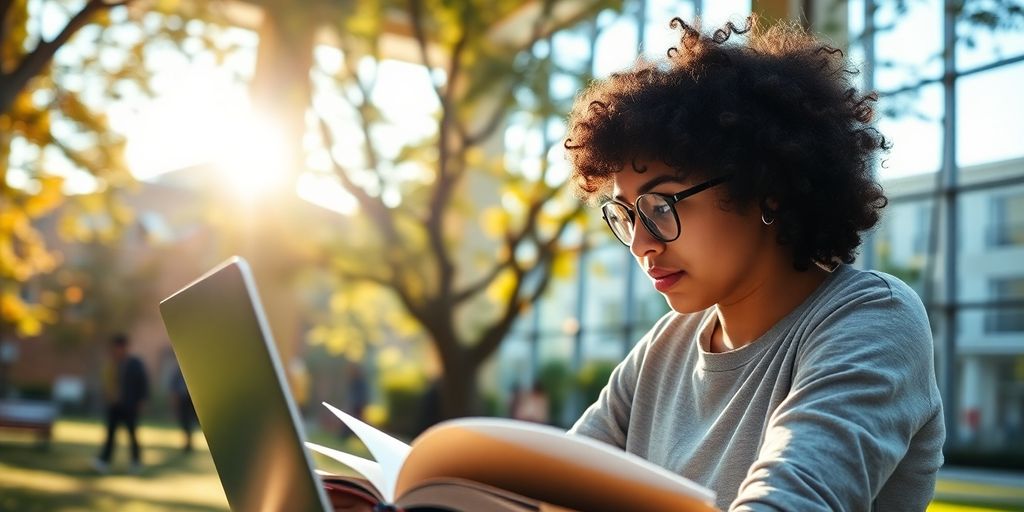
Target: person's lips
[{"x": 664, "y": 278}]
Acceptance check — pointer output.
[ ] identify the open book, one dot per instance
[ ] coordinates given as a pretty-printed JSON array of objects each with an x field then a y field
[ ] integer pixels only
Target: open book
[{"x": 507, "y": 465}]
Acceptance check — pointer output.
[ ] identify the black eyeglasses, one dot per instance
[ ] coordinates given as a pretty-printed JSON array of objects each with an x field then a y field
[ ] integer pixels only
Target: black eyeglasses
[{"x": 657, "y": 212}]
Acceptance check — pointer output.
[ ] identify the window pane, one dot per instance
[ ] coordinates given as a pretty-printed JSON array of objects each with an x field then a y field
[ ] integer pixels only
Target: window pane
[
  {"x": 658, "y": 35},
  {"x": 558, "y": 306},
  {"x": 1001, "y": 319},
  {"x": 990, "y": 243},
  {"x": 978, "y": 45},
  {"x": 990, "y": 411},
  {"x": 855, "y": 40},
  {"x": 1007, "y": 228},
  {"x": 908, "y": 44},
  {"x": 989, "y": 358},
  {"x": 604, "y": 306},
  {"x": 912, "y": 121},
  {"x": 604, "y": 338},
  {"x": 903, "y": 237},
  {"x": 571, "y": 49},
  {"x": 990, "y": 115},
  {"x": 616, "y": 45},
  {"x": 718, "y": 12}
]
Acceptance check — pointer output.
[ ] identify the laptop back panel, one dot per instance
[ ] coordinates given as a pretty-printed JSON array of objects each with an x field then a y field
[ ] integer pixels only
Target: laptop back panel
[{"x": 235, "y": 377}]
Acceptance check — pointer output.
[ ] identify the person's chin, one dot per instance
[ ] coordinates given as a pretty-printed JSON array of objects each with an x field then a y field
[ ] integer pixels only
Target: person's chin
[{"x": 683, "y": 304}]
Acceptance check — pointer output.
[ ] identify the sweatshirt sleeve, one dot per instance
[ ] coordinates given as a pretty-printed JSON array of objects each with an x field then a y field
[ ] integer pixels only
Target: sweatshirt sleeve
[{"x": 863, "y": 387}]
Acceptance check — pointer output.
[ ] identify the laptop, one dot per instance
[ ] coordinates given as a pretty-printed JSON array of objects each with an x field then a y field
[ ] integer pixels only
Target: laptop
[{"x": 234, "y": 374}]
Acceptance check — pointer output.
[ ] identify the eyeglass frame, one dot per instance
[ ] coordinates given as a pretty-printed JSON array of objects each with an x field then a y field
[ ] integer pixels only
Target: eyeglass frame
[{"x": 671, "y": 199}]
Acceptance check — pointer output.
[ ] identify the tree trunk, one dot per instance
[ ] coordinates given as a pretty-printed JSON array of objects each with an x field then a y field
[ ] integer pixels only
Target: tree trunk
[{"x": 457, "y": 389}]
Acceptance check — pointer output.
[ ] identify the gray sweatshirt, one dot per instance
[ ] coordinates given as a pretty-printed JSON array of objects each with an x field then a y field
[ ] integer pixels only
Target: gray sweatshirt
[{"x": 834, "y": 408}]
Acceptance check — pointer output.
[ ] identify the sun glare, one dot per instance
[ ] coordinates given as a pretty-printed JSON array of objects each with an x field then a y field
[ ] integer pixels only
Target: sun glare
[
  {"x": 253, "y": 157},
  {"x": 205, "y": 119}
]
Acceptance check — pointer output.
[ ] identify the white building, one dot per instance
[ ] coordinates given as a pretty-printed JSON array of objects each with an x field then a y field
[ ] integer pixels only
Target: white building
[{"x": 989, "y": 341}]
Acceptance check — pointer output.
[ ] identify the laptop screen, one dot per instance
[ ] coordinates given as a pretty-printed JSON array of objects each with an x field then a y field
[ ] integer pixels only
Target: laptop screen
[{"x": 237, "y": 383}]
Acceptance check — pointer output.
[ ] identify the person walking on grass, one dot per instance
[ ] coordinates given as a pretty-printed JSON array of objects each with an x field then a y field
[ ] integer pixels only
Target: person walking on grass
[{"x": 125, "y": 387}]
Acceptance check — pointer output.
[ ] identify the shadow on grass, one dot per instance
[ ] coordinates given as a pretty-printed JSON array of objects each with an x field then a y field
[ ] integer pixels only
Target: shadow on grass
[
  {"x": 974, "y": 504},
  {"x": 25, "y": 500},
  {"x": 74, "y": 460},
  {"x": 60, "y": 478}
]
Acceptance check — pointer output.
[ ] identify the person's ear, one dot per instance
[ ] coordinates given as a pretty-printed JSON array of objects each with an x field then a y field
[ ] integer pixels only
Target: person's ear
[{"x": 769, "y": 206}]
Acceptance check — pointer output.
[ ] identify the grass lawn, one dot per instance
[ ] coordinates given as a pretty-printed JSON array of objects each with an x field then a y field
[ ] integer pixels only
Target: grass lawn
[{"x": 59, "y": 479}]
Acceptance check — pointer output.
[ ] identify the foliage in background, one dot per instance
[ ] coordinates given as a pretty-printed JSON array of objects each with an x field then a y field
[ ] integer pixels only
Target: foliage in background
[
  {"x": 60, "y": 157},
  {"x": 592, "y": 378},
  {"x": 428, "y": 233},
  {"x": 50, "y": 126}
]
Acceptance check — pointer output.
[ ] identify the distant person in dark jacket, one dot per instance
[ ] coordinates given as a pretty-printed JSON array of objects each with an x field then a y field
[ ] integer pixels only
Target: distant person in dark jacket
[
  {"x": 183, "y": 408},
  {"x": 125, "y": 387}
]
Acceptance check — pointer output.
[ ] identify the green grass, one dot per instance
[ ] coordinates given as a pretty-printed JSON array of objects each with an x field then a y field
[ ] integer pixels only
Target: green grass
[
  {"x": 973, "y": 496},
  {"x": 59, "y": 478}
]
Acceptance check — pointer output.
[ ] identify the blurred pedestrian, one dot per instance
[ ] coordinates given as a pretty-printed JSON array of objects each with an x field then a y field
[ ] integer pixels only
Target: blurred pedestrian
[
  {"x": 125, "y": 387},
  {"x": 531, "y": 404},
  {"x": 184, "y": 411},
  {"x": 358, "y": 397}
]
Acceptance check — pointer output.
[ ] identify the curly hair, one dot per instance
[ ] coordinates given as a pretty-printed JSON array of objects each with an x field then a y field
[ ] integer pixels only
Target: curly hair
[{"x": 778, "y": 112}]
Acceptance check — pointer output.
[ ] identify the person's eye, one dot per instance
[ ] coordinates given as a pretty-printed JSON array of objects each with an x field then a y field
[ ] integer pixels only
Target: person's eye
[{"x": 662, "y": 210}]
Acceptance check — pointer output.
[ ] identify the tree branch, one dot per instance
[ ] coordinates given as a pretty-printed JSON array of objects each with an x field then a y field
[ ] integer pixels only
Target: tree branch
[
  {"x": 493, "y": 336},
  {"x": 494, "y": 120},
  {"x": 512, "y": 242},
  {"x": 37, "y": 60},
  {"x": 446, "y": 180},
  {"x": 379, "y": 213},
  {"x": 416, "y": 15},
  {"x": 5, "y": 8},
  {"x": 415, "y": 309},
  {"x": 370, "y": 278},
  {"x": 372, "y": 158},
  {"x": 532, "y": 214},
  {"x": 482, "y": 283}
]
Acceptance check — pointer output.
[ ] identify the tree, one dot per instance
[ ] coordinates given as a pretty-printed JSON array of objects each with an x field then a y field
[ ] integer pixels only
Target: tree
[
  {"x": 33, "y": 99},
  {"x": 55, "y": 84},
  {"x": 417, "y": 240},
  {"x": 54, "y": 89}
]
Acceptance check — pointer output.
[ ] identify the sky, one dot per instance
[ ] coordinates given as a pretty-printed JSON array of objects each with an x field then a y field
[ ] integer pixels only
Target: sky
[{"x": 201, "y": 112}]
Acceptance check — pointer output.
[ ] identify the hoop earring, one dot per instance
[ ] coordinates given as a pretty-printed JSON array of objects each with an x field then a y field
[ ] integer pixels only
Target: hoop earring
[
  {"x": 828, "y": 267},
  {"x": 767, "y": 218}
]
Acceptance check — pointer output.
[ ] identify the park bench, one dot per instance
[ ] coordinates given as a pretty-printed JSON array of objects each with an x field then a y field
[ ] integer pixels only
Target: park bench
[{"x": 35, "y": 416}]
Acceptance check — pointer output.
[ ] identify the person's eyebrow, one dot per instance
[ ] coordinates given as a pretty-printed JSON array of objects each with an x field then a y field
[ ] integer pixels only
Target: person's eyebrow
[{"x": 650, "y": 185}]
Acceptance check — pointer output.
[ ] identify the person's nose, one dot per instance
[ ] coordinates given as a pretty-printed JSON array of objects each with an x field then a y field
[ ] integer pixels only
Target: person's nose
[{"x": 643, "y": 242}]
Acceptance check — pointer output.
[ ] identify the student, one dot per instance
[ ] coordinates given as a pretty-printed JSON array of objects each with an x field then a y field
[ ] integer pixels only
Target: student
[
  {"x": 738, "y": 171},
  {"x": 184, "y": 409},
  {"x": 126, "y": 388}
]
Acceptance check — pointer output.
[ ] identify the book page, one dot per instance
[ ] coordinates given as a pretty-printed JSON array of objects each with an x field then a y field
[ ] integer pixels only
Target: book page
[
  {"x": 368, "y": 468},
  {"x": 544, "y": 463},
  {"x": 389, "y": 452}
]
